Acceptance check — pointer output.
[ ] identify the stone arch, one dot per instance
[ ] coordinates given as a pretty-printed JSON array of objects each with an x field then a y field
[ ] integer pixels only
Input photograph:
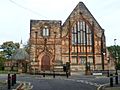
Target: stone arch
[{"x": 45, "y": 61}]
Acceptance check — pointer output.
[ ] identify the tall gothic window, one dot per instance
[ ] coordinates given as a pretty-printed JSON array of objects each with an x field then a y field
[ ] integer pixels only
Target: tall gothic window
[
  {"x": 81, "y": 35},
  {"x": 45, "y": 32},
  {"x": 81, "y": 42}
]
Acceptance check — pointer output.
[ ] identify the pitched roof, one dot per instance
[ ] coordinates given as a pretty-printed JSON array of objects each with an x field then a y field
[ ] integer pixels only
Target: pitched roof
[
  {"x": 20, "y": 54},
  {"x": 85, "y": 12}
]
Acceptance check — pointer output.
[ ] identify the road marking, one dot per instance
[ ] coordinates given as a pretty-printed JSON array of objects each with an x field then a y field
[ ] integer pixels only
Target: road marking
[
  {"x": 78, "y": 80},
  {"x": 91, "y": 83},
  {"x": 31, "y": 87},
  {"x": 86, "y": 82},
  {"x": 97, "y": 85},
  {"x": 82, "y": 81},
  {"x": 74, "y": 80},
  {"x": 103, "y": 85}
]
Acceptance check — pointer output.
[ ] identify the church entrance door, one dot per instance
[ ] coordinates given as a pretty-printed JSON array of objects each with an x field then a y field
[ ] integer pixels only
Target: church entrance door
[{"x": 45, "y": 63}]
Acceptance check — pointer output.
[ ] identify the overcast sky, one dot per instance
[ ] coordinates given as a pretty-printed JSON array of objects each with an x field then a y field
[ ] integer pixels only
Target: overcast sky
[{"x": 15, "y": 16}]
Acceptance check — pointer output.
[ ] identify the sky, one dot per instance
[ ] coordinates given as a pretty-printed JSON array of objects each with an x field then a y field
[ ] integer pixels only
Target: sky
[{"x": 15, "y": 16}]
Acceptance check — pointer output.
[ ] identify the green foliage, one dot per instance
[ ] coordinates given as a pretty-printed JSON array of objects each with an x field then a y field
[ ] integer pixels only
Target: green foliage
[
  {"x": 9, "y": 48},
  {"x": 2, "y": 60},
  {"x": 115, "y": 52}
]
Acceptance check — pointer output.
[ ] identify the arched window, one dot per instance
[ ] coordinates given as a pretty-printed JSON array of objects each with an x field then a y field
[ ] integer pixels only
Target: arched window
[
  {"x": 80, "y": 33},
  {"x": 45, "y": 32},
  {"x": 81, "y": 42}
]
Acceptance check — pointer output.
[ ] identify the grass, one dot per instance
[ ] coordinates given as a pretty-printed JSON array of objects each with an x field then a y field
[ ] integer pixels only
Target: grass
[
  {"x": 6, "y": 72},
  {"x": 2, "y": 82}
]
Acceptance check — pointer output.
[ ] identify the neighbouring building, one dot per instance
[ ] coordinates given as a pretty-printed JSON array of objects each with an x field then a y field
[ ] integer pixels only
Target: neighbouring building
[
  {"x": 80, "y": 40},
  {"x": 18, "y": 62}
]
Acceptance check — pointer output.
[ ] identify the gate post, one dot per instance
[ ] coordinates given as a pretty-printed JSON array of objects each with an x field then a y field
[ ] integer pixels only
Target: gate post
[
  {"x": 111, "y": 80},
  {"x": 9, "y": 81},
  {"x": 116, "y": 78}
]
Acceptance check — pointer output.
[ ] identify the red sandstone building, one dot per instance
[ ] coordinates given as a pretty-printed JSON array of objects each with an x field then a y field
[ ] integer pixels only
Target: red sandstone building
[{"x": 80, "y": 40}]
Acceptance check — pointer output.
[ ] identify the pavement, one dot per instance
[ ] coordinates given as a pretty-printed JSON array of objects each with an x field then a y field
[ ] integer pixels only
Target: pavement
[
  {"x": 107, "y": 87},
  {"x": 104, "y": 86},
  {"x": 17, "y": 86},
  {"x": 4, "y": 86}
]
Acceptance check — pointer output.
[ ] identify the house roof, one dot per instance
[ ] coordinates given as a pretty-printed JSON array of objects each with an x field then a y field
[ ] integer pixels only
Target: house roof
[{"x": 20, "y": 54}]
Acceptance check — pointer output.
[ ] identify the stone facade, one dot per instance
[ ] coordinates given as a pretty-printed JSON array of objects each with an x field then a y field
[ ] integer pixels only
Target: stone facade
[
  {"x": 80, "y": 40},
  {"x": 45, "y": 46}
]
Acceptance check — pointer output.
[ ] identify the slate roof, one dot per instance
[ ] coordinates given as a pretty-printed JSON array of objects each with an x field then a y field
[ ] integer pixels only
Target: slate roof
[{"x": 20, "y": 54}]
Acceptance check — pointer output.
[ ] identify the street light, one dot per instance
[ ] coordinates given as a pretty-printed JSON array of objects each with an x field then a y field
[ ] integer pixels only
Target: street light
[
  {"x": 103, "y": 55},
  {"x": 116, "y": 56},
  {"x": 108, "y": 59},
  {"x": 116, "y": 59}
]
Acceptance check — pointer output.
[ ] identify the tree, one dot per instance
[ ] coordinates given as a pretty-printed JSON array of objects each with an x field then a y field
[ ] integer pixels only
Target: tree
[
  {"x": 9, "y": 48},
  {"x": 115, "y": 52},
  {"x": 2, "y": 59}
]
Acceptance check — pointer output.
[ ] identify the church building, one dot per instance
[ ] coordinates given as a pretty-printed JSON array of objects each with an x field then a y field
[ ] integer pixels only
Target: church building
[{"x": 80, "y": 40}]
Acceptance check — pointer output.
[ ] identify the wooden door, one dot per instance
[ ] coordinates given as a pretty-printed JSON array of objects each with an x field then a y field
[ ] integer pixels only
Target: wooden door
[{"x": 45, "y": 63}]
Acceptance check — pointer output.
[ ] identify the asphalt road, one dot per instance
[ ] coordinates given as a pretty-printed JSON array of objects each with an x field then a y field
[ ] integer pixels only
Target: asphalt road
[{"x": 61, "y": 82}]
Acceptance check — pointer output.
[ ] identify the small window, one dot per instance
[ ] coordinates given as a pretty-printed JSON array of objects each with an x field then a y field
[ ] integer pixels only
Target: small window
[{"x": 45, "y": 32}]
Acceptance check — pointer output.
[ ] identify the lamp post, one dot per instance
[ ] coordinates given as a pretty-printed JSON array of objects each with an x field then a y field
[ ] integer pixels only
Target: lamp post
[
  {"x": 116, "y": 59},
  {"x": 116, "y": 62},
  {"x": 116, "y": 56},
  {"x": 108, "y": 59},
  {"x": 103, "y": 55}
]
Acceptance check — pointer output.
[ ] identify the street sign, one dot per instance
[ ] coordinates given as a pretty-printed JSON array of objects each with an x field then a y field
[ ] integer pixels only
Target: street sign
[
  {"x": 34, "y": 63},
  {"x": 97, "y": 73}
]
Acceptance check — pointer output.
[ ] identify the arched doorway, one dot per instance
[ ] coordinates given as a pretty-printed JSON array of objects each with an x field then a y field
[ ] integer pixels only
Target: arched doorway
[{"x": 45, "y": 63}]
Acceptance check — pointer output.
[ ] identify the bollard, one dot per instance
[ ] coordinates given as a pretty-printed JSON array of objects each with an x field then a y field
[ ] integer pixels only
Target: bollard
[
  {"x": 44, "y": 74},
  {"x": 67, "y": 74},
  {"x": 116, "y": 78},
  {"x": 64, "y": 68},
  {"x": 12, "y": 80},
  {"x": 15, "y": 78},
  {"x": 108, "y": 73},
  {"x": 53, "y": 74},
  {"x": 9, "y": 81},
  {"x": 111, "y": 80}
]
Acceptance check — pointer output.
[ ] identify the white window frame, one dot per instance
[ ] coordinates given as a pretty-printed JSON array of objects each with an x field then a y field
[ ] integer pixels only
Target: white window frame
[{"x": 45, "y": 32}]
